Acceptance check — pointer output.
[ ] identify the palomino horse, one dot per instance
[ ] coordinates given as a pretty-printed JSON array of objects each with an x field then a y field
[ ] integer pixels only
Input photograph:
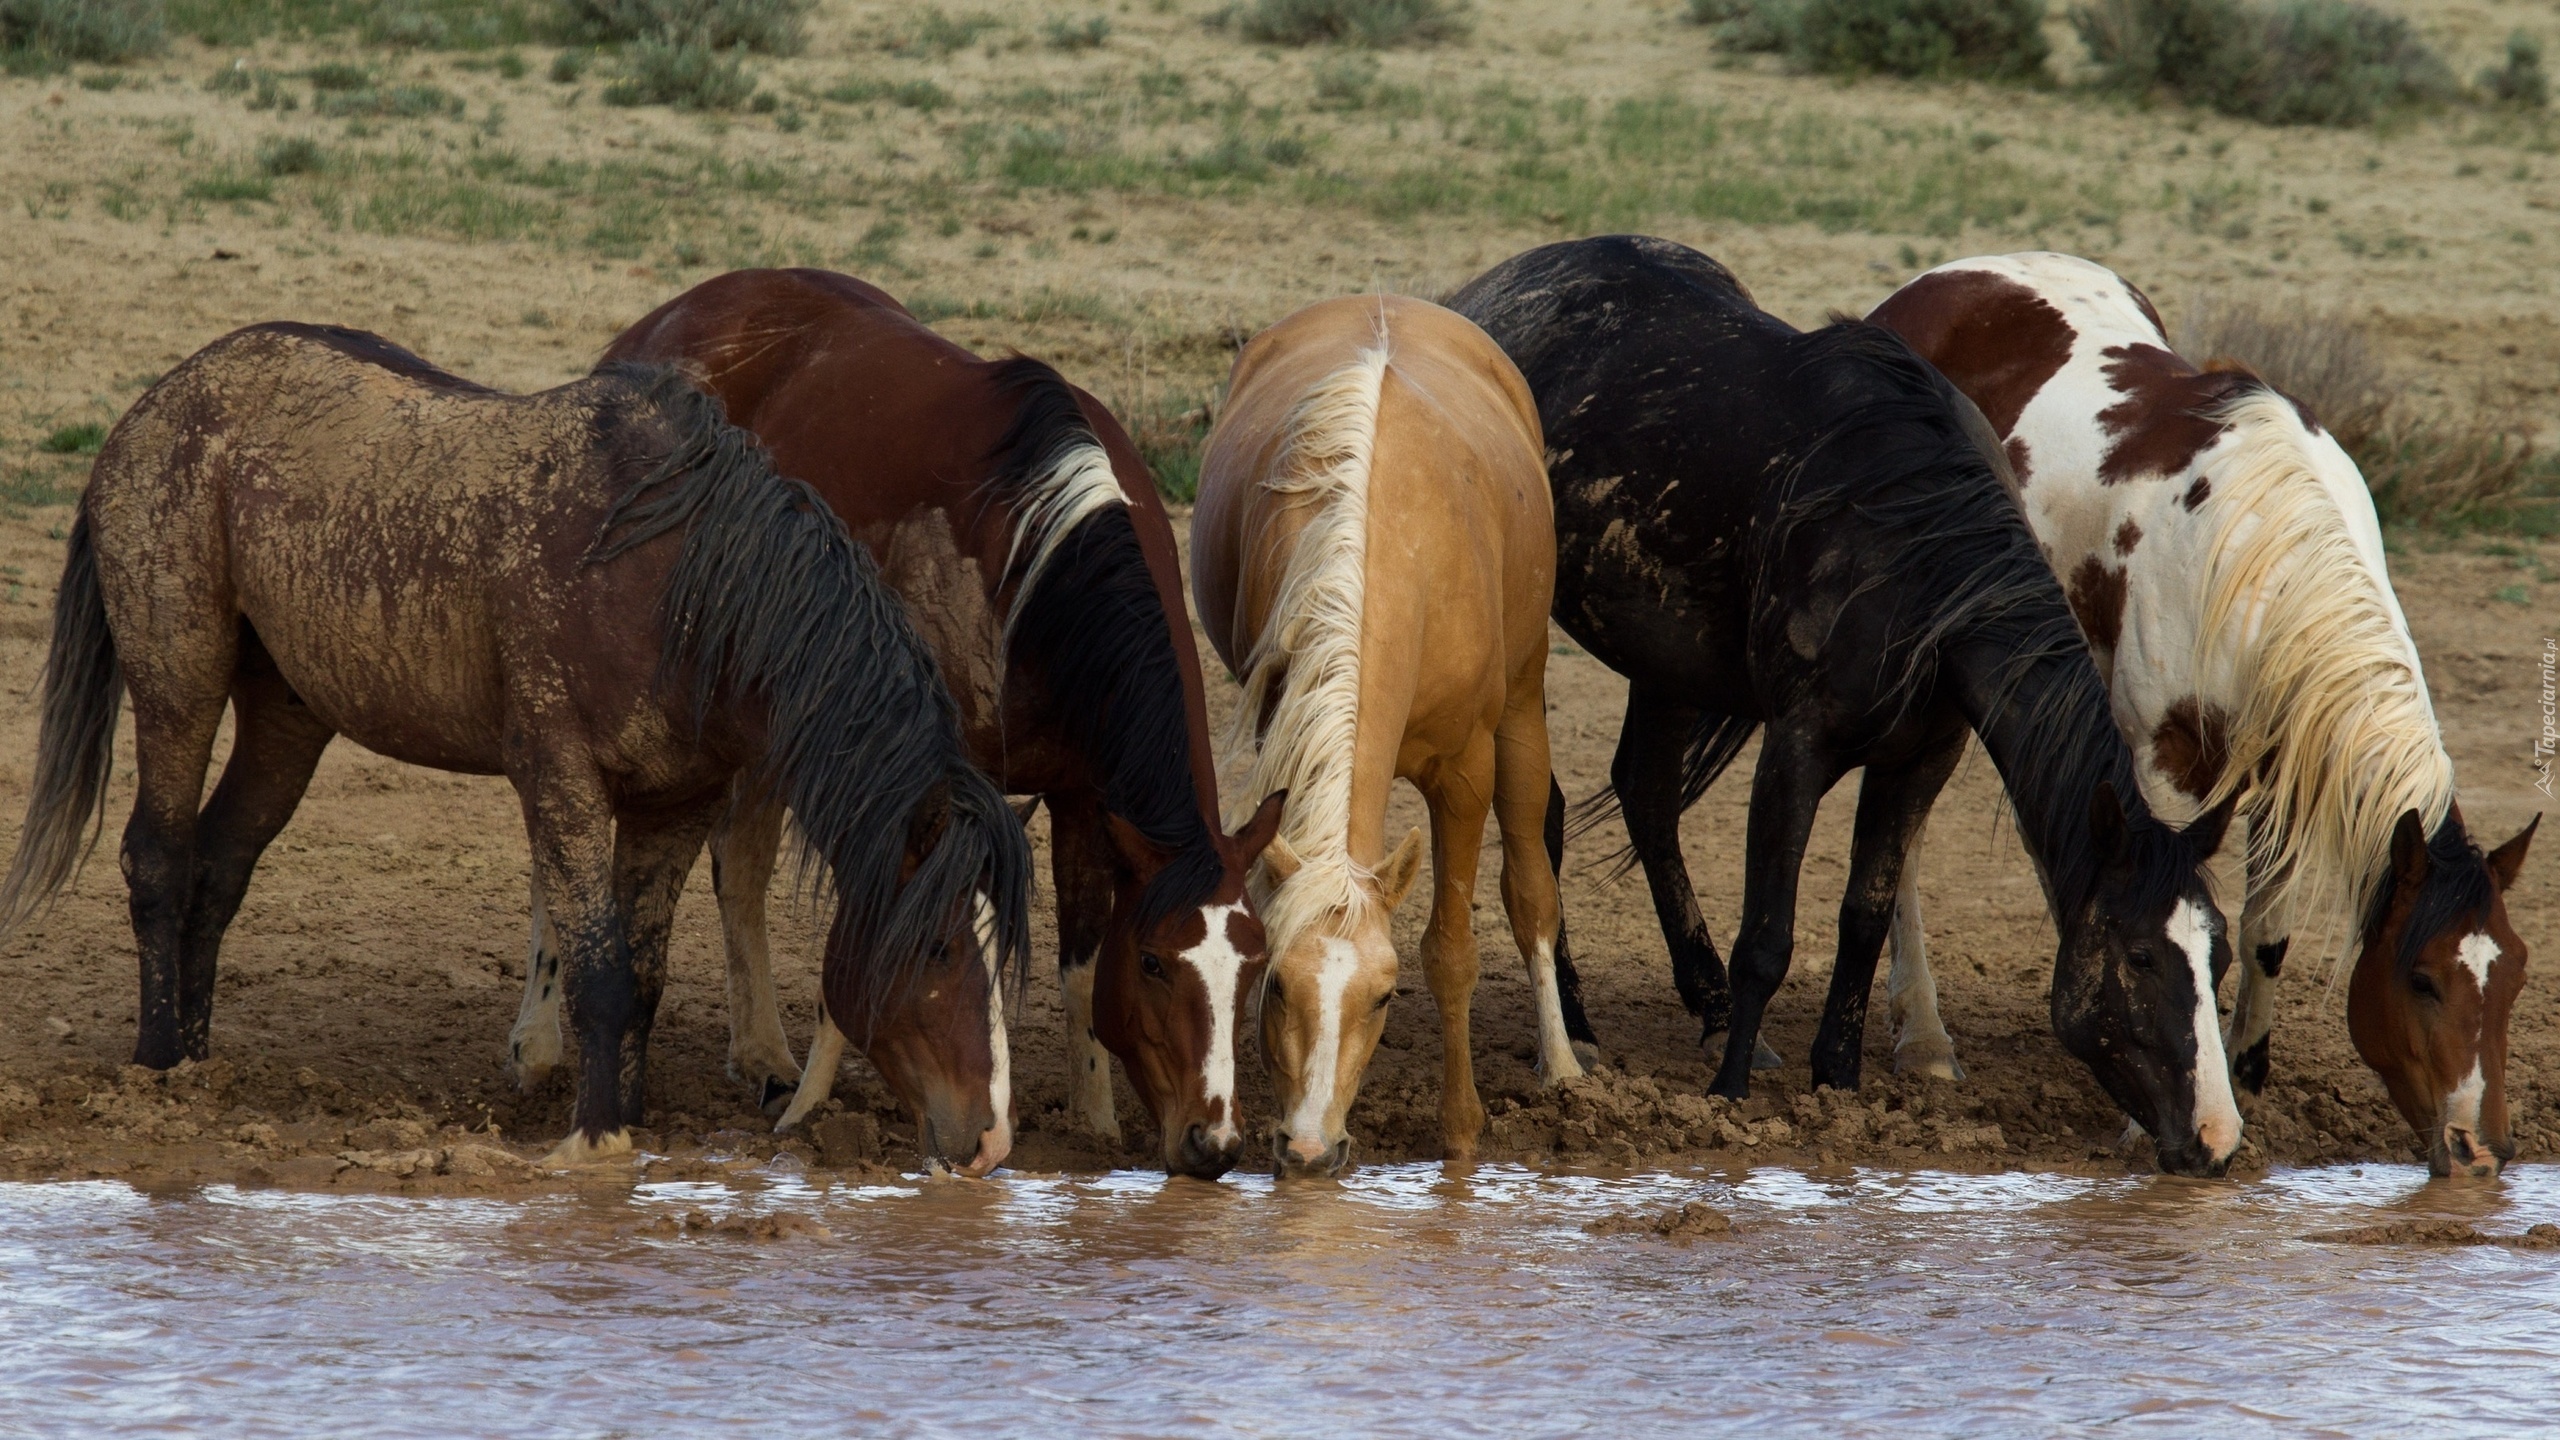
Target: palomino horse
[
  {"x": 2222, "y": 555},
  {"x": 603, "y": 593},
  {"x": 1373, "y": 552},
  {"x": 1015, "y": 518},
  {"x": 1760, "y": 526}
]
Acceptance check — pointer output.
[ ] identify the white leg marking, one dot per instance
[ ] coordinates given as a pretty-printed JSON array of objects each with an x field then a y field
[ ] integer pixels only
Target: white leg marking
[
  {"x": 2217, "y": 1114},
  {"x": 533, "y": 1046},
  {"x": 1556, "y": 1062},
  {"x": 1307, "y": 1124},
  {"x": 1089, "y": 1097},
  {"x": 1220, "y": 966},
  {"x": 1921, "y": 1045},
  {"x": 996, "y": 1143},
  {"x": 818, "y": 1077}
]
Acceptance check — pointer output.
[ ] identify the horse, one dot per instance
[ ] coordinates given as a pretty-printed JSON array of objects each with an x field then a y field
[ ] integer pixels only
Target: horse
[
  {"x": 602, "y": 592},
  {"x": 2223, "y": 558},
  {"x": 1419, "y": 657},
  {"x": 1766, "y": 527},
  {"x": 1013, "y": 515}
]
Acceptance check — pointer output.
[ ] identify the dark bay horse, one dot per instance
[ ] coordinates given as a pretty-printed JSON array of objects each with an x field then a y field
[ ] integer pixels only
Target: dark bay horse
[
  {"x": 602, "y": 592},
  {"x": 1015, "y": 517},
  {"x": 1764, "y": 527}
]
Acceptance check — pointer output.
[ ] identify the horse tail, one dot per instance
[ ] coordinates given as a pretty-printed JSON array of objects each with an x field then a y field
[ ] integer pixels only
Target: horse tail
[
  {"x": 771, "y": 598},
  {"x": 75, "y": 749}
]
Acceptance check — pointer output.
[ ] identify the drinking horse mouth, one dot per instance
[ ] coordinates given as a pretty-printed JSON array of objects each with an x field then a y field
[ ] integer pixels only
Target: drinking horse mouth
[
  {"x": 1300, "y": 1159},
  {"x": 2459, "y": 1151}
]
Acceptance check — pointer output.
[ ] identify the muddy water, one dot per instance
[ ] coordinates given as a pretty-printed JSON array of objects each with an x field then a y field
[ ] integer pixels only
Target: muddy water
[{"x": 1399, "y": 1302}]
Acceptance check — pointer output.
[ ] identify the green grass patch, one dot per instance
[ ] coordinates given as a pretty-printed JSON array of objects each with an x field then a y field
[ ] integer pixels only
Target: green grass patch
[
  {"x": 923, "y": 95},
  {"x": 1350, "y": 22},
  {"x": 230, "y": 187},
  {"x": 420, "y": 24},
  {"x": 32, "y": 487},
  {"x": 935, "y": 33},
  {"x": 452, "y": 208},
  {"x": 291, "y": 155},
  {"x": 81, "y": 439},
  {"x": 1091, "y": 33},
  {"x": 768, "y": 27},
  {"x": 394, "y": 102}
]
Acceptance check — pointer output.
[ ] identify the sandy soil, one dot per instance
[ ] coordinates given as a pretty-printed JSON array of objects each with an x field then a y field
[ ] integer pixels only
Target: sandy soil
[{"x": 369, "y": 981}]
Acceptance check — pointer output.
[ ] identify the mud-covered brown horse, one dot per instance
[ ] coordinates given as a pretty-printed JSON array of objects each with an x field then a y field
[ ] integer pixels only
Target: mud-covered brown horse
[
  {"x": 1022, "y": 528},
  {"x": 602, "y": 592}
]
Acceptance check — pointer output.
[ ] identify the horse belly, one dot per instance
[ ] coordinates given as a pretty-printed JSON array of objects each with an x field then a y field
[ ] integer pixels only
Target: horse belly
[
  {"x": 415, "y": 681},
  {"x": 1649, "y": 616}
]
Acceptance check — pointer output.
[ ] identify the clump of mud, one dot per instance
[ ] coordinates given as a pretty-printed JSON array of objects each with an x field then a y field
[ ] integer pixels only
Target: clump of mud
[
  {"x": 1610, "y": 1118},
  {"x": 2420, "y": 1233},
  {"x": 770, "y": 1225},
  {"x": 1687, "y": 1222}
]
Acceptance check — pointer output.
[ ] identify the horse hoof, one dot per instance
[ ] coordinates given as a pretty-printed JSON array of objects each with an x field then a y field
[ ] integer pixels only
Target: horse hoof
[
  {"x": 776, "y": 1094},
  {"x": 1936, "y": 1061},
  {"x": 578, "y": 1150},
  {"x": 1765, "y": 1058},
  {"x": 1586, "y": 1054},
  {"x": 530, "y": 1077}
]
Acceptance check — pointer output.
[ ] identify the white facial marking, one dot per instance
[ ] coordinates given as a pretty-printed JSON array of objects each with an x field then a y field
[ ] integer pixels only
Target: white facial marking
[
  {"x": 1000, "y": 1080},
  {"x": 1324, "y": 1058},
  {"x": 2462, "y": 1107},
  {"x": 2477, "y": 954},
  {"x": 2217, "y": 1113},
  {"x": 1220, "y": 966}
]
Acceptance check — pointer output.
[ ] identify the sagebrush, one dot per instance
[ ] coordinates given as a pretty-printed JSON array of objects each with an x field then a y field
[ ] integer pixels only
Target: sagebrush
[
  {"x": 1356, "y": 22},
  {"x": 1983, "y": 39},
  {"x": 42, "y": 35},
  {"x": 2296, "y": 62},
  {"x": 768, "y": 27}
]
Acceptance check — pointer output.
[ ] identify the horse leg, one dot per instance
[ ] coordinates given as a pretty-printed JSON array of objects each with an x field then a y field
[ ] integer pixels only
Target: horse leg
[
  {"x": 653, "y": 855},
  {"x": 1080, "y": 866},
  {"x": 1577, "y": 1025},
  {"x": 818, "y": 1079},
  {"x": 275, "y": 745},
  {"x": 1458, "y": 795},
  {"x": 1646, "y": 775},
  {"x": 178, "y": 700},
  {"x": 570, "y": 822},
  {"x": 1921, "y": 1044},
  {"x": 1893, "y": 806},
  {"x": 1523, "y": 807},
  {"x": 533, "y": 1045},
  {"x": 1786, "y": 789},
  {"x": 2253, "y": 1007},
  {"x": 743, "y": 846}
]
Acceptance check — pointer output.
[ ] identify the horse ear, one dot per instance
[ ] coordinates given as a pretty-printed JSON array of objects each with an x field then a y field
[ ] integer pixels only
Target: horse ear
[
  {"x": 2106, "y": 824},
  {"x": 1024, "y": 809},
  {"x": 1257, "y": 833},
  {"x": 927, "y": 821},
  {"x": 1396, "y": 877},
  {"x": 2508, "y": 859},
  {"x": 2409, "y": 851},
  {"x": 1279, "y": 859},
  {"x": 1143, "y": 854},
  {"x": 2204, "y": 834}
]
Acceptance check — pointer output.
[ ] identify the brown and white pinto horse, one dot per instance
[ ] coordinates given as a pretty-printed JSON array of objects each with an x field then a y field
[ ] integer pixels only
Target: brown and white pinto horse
[
  {"x": 1374, "y": 553},
  {"x": 1014, "y": 516},
  {"x": 2223, "y": 558}
]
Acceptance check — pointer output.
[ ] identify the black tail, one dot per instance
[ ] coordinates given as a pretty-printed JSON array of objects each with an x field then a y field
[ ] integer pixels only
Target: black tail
[
  {"x": 1708, "y": 752},
  {"x": 1577, "y": 1025},
  {"x": 76, "y": 746},
  {"x": 772, "y": 599}
]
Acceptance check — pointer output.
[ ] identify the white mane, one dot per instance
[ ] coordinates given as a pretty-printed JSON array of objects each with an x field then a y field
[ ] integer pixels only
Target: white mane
[
  {"x": 2335, "y": 737},
  {"x": 1304, "y": 669},
  {"x": 1078, "y": 481}
]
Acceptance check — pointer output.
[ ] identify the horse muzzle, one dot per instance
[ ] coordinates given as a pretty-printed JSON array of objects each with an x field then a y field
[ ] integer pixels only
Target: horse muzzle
[
  {"x": 1294, "y": 1157},
  {"x": 1204, "y": 1154},
  {"x": 2193, "y": 1157},
  {"x": 2459, "y": 1152}
]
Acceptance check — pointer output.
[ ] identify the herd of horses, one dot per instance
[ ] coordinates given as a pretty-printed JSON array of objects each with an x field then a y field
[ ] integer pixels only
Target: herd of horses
[{"x": 788, "y": 553}]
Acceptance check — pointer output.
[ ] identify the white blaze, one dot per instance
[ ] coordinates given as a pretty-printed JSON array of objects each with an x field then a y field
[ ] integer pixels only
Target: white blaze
[
  {"x": 2462, "y": 1107},
  {"x": 2217, "y": 1114},
  {"x": 1220, "y": 966},
  {"x": 1324, "y": 1058},
  {"x": 2477, "y": 954}
]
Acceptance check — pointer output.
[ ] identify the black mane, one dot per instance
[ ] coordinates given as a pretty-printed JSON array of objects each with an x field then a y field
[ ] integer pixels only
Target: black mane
[
  {"x": 772, "y": 599},
  {"x": 1094, "y": 629}
]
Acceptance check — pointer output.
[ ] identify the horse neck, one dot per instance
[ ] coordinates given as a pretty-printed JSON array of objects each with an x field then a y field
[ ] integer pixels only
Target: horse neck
[
  {"x": 2331, "y": 732},
  {"x": 2035, "y": 700}
]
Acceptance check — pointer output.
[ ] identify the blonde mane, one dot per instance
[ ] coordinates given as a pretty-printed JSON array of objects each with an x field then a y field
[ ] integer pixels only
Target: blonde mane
[
  {"x": 2334, "y": 737},
  {"x": 1304, "y": 669},
  {"x": 1074, "y": 483}
]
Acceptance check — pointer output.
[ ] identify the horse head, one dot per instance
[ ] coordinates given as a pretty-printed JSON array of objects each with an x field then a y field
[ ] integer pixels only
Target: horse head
[
  {"x": 2434, "y": 984},
  {"x": 1325, "y": 1005},
  {"x": 2133, "y": 994}
]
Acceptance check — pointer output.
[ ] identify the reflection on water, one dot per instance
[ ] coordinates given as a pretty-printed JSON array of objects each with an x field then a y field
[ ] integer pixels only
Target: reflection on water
[{"x": 1400, "y": 1301}]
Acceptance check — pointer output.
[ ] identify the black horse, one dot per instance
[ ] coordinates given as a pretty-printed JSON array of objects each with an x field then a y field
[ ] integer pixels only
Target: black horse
[{"x": 1760, "y": 526}]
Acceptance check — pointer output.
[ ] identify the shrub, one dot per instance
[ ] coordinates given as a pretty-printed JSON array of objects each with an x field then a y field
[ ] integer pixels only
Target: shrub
[
  {"x": 567, "y": 67},
  {"x": 2299, "y": 62},
  {"x": 81, "y": 439},
  {"x": 937, "y": 34},
  {"x": 291, "y": 155},
  {"x": 1091, "y": 34},
  {"x": 2420, "y": 466},
  {"x": 1357, "y": 22},
  {"x": 230, "y": 187},
  {"x": 2522, "y": 81},
  {"x": 683, "y": 74},
  {"x": 921, "y": 95},
  {"x": 45, "y": 35},
  {"x": 1985, "y": 39},
  {"x": 769, "y": 27}
]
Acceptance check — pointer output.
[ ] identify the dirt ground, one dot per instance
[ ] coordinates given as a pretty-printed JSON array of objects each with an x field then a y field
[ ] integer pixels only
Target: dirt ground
[{"x": 368, "y": 983}]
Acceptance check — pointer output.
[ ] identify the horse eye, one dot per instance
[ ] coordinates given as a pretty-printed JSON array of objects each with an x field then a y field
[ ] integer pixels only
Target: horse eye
[
  {"x": 1150, "y": 964},
  {"x": 2141, "y": 958},
  {"x": 1383, "y": 999},
  {"x": 2424, "y": 984}
]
